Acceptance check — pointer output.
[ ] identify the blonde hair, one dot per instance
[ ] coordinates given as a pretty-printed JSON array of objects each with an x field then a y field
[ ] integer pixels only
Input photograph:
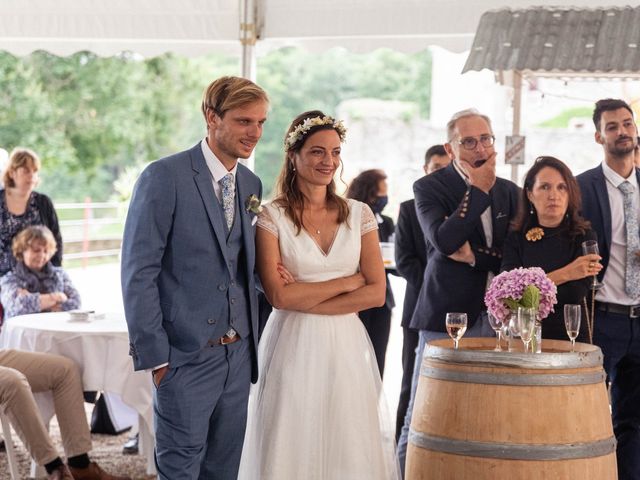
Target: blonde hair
[
  {"x": 227, "y": 93},
  {"x": 20, "y": 157},
  {"x": 30, "y": 235}
]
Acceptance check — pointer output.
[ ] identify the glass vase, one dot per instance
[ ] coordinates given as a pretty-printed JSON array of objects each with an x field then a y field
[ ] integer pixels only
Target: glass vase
[
  {"x": 514, "y": 333},
  {"x": 536, "y": 339}
]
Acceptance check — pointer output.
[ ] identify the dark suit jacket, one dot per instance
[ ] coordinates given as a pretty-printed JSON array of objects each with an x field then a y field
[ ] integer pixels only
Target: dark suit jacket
[
  {"x": 385, "y": 230},
  {"x": 596, "y": 209},
  {"x": 411, "y": 256},
  {"x": 449, "y": 213}
]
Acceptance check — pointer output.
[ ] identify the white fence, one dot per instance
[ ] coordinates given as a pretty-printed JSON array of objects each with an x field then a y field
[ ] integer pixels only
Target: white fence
[{"x": 91, "y": 230}]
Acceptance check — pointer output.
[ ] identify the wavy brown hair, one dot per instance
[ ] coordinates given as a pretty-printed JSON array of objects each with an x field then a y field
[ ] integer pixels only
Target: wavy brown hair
[
  {"x": 572, "y": 221},
  {"x": 288, "y": 194}
]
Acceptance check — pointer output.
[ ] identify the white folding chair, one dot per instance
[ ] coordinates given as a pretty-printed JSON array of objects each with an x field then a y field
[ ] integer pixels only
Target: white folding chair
[{"x": 8, "y": 445}]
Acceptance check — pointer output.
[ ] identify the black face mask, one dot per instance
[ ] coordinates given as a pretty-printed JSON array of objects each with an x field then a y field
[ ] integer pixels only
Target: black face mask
[{"x": 379, "y": 204}]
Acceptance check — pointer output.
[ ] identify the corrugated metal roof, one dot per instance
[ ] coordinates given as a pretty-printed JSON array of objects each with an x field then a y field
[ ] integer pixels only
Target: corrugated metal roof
[{"x": 558, "y": 40}]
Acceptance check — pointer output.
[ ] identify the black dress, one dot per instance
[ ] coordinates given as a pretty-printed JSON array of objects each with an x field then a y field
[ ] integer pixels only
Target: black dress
[
  {"x": 553, "y": 251},
  {"x": 377, "y": 320}
]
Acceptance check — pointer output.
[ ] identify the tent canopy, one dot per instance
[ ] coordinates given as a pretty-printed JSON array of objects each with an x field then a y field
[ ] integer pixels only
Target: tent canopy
[{"x": 197, "y": 27}]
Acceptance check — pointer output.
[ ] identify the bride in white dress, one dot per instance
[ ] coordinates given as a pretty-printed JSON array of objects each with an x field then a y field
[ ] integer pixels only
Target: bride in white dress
[{"x": 317, "y": 411}]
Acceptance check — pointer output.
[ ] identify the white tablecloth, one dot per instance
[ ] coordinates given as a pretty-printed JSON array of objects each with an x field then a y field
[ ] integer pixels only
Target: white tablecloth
[{"x": 100, "y": 347}]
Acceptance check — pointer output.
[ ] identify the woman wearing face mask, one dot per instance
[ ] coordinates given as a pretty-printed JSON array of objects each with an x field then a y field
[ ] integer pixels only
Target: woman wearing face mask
[{"x": 370, "y": 187}]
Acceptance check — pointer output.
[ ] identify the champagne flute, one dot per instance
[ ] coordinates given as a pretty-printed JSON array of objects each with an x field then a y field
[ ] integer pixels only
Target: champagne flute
[
  {"x": 496, "y": 324},
  {"x": 589, "y": 247},
  {"x": 456, "y": 326},
  {"x": 572, "y": 316},
  {"x": 526, "y": 324}
]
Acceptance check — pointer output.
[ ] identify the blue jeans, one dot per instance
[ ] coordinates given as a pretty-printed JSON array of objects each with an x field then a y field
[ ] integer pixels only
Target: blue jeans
[
  {"x": 480, "y": 329},
  {"x": 619, "y": 338}
]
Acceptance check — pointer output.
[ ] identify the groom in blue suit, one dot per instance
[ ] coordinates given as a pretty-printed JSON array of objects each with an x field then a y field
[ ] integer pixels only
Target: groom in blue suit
[{"x": 188, "y": 286}]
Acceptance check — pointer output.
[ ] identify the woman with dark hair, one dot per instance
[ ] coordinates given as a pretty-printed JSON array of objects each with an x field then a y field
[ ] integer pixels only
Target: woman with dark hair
[
  {"x": 548, "y": 232},
  {"x": 315, "y": 411},
  {"x": 370, "y": 187}
]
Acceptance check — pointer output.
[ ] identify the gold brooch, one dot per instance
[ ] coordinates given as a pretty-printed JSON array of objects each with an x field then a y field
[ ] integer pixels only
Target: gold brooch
[{"x": 534, "y": 234}]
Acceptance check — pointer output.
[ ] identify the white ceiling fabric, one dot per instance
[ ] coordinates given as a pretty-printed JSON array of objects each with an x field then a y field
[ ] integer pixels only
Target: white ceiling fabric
[{"x": 197, "y": 27}]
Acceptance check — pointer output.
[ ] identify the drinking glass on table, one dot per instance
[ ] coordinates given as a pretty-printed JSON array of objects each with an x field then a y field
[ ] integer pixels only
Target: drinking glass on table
[
  {"x": 589, "y": 247},
  {"x": 496, "y": 324},
  {"x": 456, "y": 326},
  {"x": 572, "y": 315},
  {"x": 526, "y": 325}
]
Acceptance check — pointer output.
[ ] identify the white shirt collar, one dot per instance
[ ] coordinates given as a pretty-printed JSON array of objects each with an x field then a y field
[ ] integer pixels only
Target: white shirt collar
[
  {"x": 615, "y": 179},
  {"x": 217, "y": 169},
  {"x": 460, "y": 172}
]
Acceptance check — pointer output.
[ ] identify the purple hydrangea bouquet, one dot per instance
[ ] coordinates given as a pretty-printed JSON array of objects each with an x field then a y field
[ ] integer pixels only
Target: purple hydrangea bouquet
[{"x": 521, "y": 287}]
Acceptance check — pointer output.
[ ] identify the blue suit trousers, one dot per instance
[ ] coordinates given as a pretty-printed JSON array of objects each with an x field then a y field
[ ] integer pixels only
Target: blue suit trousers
[{"x": 201, "y": 414}]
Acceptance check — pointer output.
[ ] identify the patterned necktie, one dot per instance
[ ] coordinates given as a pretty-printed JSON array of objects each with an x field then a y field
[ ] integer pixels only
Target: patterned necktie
[
  {"x": 632, "y": 267},
  {"x": 228, "y": 195}
]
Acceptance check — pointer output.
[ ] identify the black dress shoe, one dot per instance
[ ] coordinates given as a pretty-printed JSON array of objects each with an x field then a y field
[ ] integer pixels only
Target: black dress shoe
[{"x": 131, "y": 446}]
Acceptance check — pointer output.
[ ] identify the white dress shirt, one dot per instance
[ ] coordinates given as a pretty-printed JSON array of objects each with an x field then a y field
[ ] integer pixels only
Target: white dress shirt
[
  {"x": 217, "y": 169},
  {"x": 614, "y": 278}
]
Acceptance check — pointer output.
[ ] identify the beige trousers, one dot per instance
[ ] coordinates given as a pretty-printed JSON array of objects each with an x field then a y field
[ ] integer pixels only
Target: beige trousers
[{"x": 24, "y": 372}]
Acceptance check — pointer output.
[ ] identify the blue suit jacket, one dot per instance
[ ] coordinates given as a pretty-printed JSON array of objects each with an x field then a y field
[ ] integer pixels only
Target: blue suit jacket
[
  {"x": 174, "y": 271},
  {"x": 596, "y": 209},
  {"x": 449, "y": 213}
]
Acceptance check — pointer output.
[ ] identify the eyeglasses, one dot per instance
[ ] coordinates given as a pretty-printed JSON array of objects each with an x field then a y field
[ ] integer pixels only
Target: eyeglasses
[{"x": 470, "y": 143}]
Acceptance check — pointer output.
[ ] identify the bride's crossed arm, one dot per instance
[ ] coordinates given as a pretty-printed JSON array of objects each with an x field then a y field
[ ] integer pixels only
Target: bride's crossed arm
[{"x": 349, "y": 294}]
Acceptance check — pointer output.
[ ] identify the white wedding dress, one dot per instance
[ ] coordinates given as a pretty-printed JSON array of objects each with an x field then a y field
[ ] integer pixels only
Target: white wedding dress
[{"x": 317, "y": 411}]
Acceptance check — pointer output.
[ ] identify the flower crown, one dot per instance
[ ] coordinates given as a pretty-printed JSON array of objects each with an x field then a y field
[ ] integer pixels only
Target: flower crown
[{"x": 301, "y": 130}]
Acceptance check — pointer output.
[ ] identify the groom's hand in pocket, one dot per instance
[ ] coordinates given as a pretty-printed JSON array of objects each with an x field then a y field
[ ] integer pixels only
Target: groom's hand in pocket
[{"x": 158, "y": 374}]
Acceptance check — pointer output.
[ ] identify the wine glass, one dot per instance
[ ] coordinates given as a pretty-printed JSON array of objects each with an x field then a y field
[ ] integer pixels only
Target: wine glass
[
  {"x": 526, "y": 324},
  {"x": 572, "y": 316},
  {"x": 589, "y": 247},
  {"x": 514, "y": 330},
  {"x": 496, "y": 324},
  {"x": 456, "y": 326}
]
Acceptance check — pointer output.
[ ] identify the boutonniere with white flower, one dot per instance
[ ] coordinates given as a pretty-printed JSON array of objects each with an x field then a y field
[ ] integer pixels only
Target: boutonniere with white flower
[{"x": 252, "y": 204}]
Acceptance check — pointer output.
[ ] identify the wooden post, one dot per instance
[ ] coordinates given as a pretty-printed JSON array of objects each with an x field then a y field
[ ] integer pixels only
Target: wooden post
[{"x": 517, "y": 103}]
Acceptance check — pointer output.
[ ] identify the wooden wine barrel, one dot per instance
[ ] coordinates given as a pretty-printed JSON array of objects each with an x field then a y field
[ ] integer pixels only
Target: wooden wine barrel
[{"x": 481, "y": 414}]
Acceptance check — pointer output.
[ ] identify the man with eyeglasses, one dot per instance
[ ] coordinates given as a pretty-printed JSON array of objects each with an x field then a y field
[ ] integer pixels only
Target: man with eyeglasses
[{"x": 464, "y": 212}]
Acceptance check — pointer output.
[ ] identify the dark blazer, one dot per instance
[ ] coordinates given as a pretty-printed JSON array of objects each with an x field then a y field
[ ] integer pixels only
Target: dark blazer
[
  {"x": 175, "y": 275},
  {"x": 411, "y": 257},
  {"x": 385, "y": 230},
  {"x": 596, "y": 209},
  {"x": 449, "y": 213}
]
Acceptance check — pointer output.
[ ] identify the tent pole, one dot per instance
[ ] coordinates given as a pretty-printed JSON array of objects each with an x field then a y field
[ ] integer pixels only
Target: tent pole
[
  {"x": 517, "y": 103},
  {"x": 248, "y": 37}
]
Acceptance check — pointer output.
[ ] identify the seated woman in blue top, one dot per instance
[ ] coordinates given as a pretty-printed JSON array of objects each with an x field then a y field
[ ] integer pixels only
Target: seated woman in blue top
[{"x": 34, "y": 284}]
